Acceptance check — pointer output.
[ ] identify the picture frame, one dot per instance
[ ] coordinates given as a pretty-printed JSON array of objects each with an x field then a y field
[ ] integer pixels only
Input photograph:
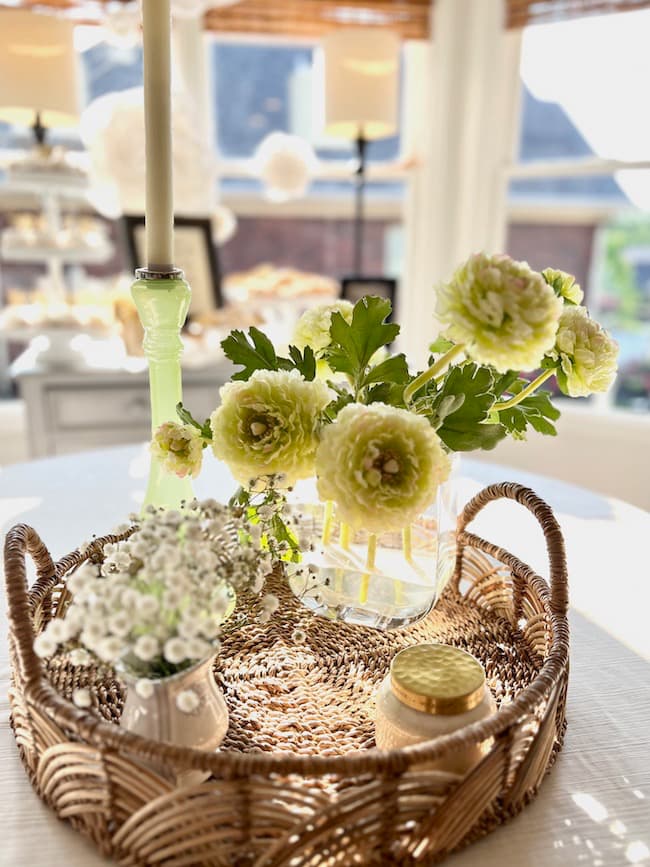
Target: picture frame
[
  {"x": 354, "y": 288},
  {"x": 195, "y": 253}
]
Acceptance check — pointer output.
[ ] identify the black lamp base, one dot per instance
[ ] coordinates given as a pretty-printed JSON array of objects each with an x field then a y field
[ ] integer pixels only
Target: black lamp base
[{"x": 354, "y": 288}]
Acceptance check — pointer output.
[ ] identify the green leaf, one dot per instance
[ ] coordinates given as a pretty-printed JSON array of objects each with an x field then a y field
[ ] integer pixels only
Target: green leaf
[
  {"x": 304, "y": 361},
  {"x": 466, "y": 427},
  {"x": 542, "y": 402},
  {"x": 187, "y": 418},
  {"x": 343, "y": 398},
  {"x": 503, "y": 383},
  {"x": 535, "y": 411},
  {"x": 393, "y": 369},
  {"x": 391, "y": 393},
  {"x": 562, "y": 381},
  {"x": 254, "y": 352},
  {"x": 542, "y": 425},
  {"x": 482, "y": 436},
  {"x": 241, "y": 497},
  {"x": 440, "y": 345},
  {"x": 353, "y": 345},
  {"x": 282, "y": 533}
]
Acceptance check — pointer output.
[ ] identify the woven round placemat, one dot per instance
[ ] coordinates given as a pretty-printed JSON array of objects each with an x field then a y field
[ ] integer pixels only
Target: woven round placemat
[
  {"x": 318, "y": 696},
  {"x": 298, "y": 780}
]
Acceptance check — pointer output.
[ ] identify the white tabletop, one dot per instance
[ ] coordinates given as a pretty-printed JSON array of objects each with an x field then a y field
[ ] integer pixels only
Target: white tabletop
[{"x": 594, "y": 808}]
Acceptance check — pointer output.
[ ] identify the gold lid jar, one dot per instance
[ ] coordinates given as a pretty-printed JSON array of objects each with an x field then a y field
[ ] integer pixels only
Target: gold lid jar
[
  {"x": 432, "y": 690},
  {"x": 437, "y": 679}
]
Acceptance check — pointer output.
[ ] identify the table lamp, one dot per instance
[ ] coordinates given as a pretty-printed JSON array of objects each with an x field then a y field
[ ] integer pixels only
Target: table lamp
[
  {"x": 361, "y": 99},
  {"x": 38, "y": 72}
]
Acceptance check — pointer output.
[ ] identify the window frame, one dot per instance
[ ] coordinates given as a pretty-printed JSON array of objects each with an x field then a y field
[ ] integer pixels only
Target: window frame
[{"x": 336, "y": 205}]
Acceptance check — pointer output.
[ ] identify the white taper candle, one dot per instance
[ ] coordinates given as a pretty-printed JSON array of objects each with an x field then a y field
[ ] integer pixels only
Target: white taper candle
[{"x": 159, "y": 216}]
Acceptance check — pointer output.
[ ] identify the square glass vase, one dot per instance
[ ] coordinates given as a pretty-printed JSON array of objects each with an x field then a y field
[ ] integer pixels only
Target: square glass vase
[{"x": 410, "y": 570}]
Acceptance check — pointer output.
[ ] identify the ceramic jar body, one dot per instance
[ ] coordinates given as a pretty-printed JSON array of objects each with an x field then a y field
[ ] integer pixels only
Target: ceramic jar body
[
  {"x": 398, "y": 725},
  {"x": 159, "y": 717}
]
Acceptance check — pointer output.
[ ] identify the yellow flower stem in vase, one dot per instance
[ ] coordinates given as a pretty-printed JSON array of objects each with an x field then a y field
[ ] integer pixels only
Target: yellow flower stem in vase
[
  {"x": 328, "y": 521},
  {"x": 345, "y": 532},
  {"x": 407, "y": 543},
  {"x": 407, "y": 548},
  {"x": 370, "y": 565}
]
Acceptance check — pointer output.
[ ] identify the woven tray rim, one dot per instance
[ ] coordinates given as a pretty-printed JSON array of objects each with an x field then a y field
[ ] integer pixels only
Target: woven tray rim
[{"x": 97, "y": 732}]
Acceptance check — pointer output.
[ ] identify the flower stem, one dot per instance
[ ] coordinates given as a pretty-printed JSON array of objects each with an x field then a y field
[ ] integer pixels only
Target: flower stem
[
  {"x": 346, "y": 533},
  {"x": 328, "y": 520},
  {"x": 407, "y": 543},
  {"x": 407, "y": 548},
  {"x": 370, "y": 564},
  {"x": 530, "y": 388},
  {"x": 430, "y": 372}
]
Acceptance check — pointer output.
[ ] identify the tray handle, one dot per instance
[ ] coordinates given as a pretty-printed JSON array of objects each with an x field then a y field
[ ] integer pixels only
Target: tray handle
[
  {"x": 21, "y": 540},
  {"x": 550, "y": 527}
]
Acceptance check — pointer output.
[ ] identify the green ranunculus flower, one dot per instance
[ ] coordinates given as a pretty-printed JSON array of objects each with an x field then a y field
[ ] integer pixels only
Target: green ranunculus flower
[
  {"x": 587, "y": 356},
  {"x": 564, "y": 285},
  {"x": 269, "y": 425},
  {"x": 504, "y": 313},
  {"x": 380, "y": 465},
  {"x": 313, "y": 327},
  {"x": 179, "y": 448}
]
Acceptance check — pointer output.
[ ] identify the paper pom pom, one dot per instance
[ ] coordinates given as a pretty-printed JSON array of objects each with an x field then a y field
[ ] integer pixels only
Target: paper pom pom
[
  {"x": 112, "y": 128},
  {"x": 285, "y": 164}
]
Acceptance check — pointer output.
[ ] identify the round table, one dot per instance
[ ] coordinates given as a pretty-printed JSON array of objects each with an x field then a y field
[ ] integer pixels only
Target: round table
[{"x": 594, "y": 808}]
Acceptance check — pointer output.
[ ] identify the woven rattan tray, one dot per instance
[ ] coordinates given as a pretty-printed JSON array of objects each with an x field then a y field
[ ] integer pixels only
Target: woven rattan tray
[{"x": 298, "y": 781}]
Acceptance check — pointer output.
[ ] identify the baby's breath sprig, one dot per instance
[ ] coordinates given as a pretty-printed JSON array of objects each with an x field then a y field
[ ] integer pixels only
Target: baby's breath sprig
[
  {"x": 156, "y": 602},
  {"x": 264, "y": 501}
]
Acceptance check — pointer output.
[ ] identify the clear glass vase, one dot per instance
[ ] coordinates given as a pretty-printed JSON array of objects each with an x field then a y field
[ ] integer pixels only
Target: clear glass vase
[
  {"x": 408, "y": 573},
  {"x": 199, "y": 718}
]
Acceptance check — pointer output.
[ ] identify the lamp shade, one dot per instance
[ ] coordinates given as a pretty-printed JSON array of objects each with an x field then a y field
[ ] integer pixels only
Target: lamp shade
[
  {"x": 361, "y": 83},
  {"x": 37, "y": 69}
]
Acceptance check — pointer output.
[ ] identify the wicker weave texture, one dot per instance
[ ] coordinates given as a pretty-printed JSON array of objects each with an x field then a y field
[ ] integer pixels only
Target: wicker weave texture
[{"x": 298, "y": 781}]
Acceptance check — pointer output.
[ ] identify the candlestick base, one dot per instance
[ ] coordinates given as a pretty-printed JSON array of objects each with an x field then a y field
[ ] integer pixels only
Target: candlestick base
[
  {"x": 165, "y": 490},
  {"x": 162, "y": 301}
]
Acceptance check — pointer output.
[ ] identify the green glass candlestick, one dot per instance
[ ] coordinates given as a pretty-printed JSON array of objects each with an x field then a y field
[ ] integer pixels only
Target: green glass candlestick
[{"x": 162, "y": 301}]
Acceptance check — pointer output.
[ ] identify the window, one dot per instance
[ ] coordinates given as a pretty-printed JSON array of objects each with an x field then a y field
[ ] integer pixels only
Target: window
[
  {"x": 579, "y": 195},
  {"x": 263, "y": 87},
  {"x": 109, "y": 68}
]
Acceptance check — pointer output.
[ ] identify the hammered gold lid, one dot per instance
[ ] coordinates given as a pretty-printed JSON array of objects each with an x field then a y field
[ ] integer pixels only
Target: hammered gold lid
[{"x": 437, "y": 679}]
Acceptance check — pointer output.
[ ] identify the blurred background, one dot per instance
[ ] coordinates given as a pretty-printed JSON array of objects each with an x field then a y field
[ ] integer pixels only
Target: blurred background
[{"x": 321, "y": 148}]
